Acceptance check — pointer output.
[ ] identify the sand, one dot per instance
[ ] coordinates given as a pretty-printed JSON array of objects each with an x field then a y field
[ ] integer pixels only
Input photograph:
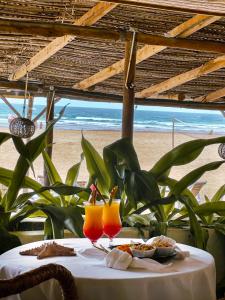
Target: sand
[{"x": 150, "y": 146}]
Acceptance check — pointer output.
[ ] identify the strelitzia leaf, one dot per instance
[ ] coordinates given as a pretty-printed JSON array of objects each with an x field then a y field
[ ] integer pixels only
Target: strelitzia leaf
[
  {"x": 206, "y": 209},
  {"x": 96, "y": 166},
  {"x": 73, "y": 172},
  {"x": 4, "y": 136},
  {"x": 219, "y": 194},
  {"x": 200, "y": 238},
  {"x": 59, "y": 188},
  {"x": 6, "y": 177},
  {"x": 125, "y": 154},
  {"x": 193, "y": 176},
  {"x": 183, "y": 154},
  {"x": 52, "y": 172},
  {"x": 8, "y": 241},
  {"x": 64, "y": 217}
]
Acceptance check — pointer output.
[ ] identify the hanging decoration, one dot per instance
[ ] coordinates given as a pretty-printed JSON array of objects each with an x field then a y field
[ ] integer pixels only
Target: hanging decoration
[
  {"x": 221, "y": 151},
  {"x": 22, "y": 126}
]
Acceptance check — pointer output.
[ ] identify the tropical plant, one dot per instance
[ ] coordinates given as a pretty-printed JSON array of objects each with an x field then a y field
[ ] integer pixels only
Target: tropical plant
[
  {"x": 140, "y": 189},
  {"x": 15, "y": 206}
]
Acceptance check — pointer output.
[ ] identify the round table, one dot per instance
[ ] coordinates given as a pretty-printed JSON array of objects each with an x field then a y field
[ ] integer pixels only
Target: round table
[{"x": 195, "y": 278}]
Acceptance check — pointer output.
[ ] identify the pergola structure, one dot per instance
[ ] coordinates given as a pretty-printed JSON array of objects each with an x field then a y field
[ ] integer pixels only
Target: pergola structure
[{"x": 161, "y": 52}]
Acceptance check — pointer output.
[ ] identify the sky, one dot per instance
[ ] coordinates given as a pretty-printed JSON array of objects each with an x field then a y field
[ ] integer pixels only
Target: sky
[{"x": 79, "y": 103}]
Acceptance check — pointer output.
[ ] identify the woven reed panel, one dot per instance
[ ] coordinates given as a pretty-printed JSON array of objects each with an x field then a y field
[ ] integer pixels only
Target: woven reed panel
[{"x": 82, "y": 58}]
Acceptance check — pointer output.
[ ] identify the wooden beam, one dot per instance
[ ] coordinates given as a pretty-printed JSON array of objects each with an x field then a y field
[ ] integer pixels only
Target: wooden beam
[
  {"x": 212, "y": 97},
  {"x": 206, "y": 7},
  {"x": 46, "y": 29},
  {"x": 89, "y": 18},
  {"x": 73, "y": 94},
  {"x": 49, "y": 137},
  {"x": 209, "y": 67},
  {"x": 10, "y": 106},
  {"x": 128, "y": 90},
  {"x": 183, "y": 30}
]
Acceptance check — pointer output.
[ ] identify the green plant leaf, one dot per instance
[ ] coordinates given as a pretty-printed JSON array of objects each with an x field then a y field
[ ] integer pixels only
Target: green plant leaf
[
  {"x": 200, "y": 238},
  {"x": 59, "y": 188},
  {"x": 141, "y": 186},
  {"x": 21, "y": 214},
  {"x": 219, "y": 194},
  {"x": 193, "y": 176},
  {"x": 96, "y": 166},
  {"x": 4, "y": 136},
  {"x": 64, "y": 217},
  {"x": 53, "y": 174},
  {"x": 8, "y": 241},
  {"x": 124, "y": 153},
  {"x": 48, "y": 230},
  {"x": 6, "y": 177},
  {"x": 183, "y": 154},
  {"x": 186, "y": 192},
  {"x": 27, "y": 155},
  {"x": 206, "y": 209},
  {"x": 220, "y": 228},
  {"x": 73, "y": 172}
]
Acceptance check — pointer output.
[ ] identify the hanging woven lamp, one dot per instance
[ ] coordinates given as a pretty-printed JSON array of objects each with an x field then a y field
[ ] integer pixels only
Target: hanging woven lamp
[
  {"x": 21, "y": 126},
  {"x": 221, "y": 151}
]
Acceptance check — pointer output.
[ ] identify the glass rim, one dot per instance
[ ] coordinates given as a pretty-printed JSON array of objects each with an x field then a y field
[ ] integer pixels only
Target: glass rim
[
  {"x": 97, "y": 203},
  {"x": 114, "y": 200}
]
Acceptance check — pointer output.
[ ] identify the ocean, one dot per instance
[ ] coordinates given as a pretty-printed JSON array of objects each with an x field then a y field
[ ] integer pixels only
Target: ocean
[{"x": 85, "y": 118}]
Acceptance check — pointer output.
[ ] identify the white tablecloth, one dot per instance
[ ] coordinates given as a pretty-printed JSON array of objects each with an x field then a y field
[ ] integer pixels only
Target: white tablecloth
[{"x": 194, "y": 280}]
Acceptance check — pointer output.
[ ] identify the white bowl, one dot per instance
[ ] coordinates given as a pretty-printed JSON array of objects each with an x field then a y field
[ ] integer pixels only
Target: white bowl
[
  {"x": 165, "y": 251},
  {"x": 142, "y": 254}
]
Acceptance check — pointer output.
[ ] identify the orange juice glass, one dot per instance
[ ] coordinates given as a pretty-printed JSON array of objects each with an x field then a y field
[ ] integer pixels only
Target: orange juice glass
[
  {"x": 111, "y": 219},
  {"x": 93, "y": 226}
]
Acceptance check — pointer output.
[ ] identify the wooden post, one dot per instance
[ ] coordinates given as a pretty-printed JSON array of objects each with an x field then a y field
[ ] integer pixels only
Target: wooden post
[
  {"x": 128, "y": 91},
  {"x": 49, "y": 118}
]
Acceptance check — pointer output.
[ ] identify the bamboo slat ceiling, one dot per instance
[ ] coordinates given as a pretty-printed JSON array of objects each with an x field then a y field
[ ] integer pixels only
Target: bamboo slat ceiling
[{"x": 82, "y": 58}]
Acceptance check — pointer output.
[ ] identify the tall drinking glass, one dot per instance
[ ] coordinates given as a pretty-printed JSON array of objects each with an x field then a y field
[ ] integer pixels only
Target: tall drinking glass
[
  {"x": 111, "y": 219},
  {"x": 93, "y": 225}
]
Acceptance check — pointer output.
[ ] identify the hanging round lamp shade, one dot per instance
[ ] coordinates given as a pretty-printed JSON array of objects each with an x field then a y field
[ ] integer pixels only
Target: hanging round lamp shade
[
  {"x": 22, "y": 127},
  {"x": 221, "y": 151}
]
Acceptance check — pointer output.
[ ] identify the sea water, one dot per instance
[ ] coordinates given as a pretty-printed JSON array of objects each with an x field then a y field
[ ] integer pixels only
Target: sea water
[{"x": 88, "y": 118}]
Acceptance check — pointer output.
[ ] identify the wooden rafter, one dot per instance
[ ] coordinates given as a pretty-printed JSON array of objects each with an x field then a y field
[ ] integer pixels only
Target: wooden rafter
[
  {"x": 47, "y": 29},
  {"x": 89, "y": 18},
  {"x": 10, "y": 105},
  {"x": 209, "y": 67},
  {"x": 212, "y": 97},
  {"x": 69, "y": 93},
  {"x": 183, "y": 30},
  {"x": 206, "y": 7}
]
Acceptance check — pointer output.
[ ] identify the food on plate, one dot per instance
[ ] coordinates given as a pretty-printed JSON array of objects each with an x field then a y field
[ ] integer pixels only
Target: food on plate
[
  {"x": 125, "y": 248},
  {"x": 142, "y": 247},
  {"x": 142, "y": 250},
  {"x": 163, "y": 242},
  {"x": 164, "y": 246}
]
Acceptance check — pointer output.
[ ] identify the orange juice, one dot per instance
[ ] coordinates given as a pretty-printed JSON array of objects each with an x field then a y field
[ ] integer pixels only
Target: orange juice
[
  {"x": 111, "y": 218},
  {"x": 93, "y": 227}
]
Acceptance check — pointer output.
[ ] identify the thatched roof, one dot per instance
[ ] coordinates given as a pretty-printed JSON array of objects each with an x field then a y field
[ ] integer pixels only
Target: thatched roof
[{"x": 82, "y": 58}]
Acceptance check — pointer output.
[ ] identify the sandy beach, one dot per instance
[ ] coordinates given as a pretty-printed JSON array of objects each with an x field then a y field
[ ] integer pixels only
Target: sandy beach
[{"x": 150, "y": 146}]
